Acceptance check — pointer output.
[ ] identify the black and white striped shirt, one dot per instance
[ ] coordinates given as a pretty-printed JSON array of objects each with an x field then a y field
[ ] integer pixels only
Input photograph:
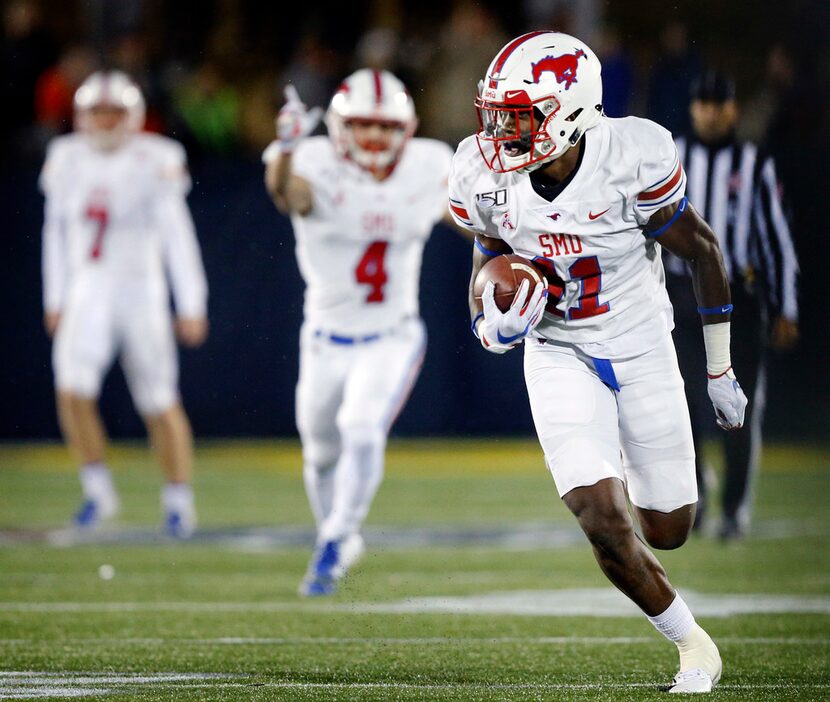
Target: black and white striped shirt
[{"x": 736, "y": 190}]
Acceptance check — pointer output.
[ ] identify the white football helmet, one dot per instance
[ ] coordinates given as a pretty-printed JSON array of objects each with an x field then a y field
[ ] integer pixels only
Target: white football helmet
[
  {"x": 371, "y": 96},
  {"x": 109, "y": 89},
  {"x": 541, "y": 93}
]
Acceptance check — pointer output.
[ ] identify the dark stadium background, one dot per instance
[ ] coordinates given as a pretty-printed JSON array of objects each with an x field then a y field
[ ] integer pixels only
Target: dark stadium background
[{"x": 241, "y": 383}]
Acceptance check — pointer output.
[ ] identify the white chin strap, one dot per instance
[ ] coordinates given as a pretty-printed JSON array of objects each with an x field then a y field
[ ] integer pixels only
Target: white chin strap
[{"x": 530, "y": 167}]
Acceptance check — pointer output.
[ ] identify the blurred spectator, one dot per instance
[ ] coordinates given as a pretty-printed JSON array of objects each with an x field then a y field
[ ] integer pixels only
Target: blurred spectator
[
  {"x": 796, "y": 118},
  {"x": 786, "y": 115},
  {"x": 107, "y": 18},
  {"x": 617, "y": 73},
  {"x": 55, "y": 89},
  {"x": 27, "y": 51},
  {"x": 130, "y": 53},
  {"x": 675, "y": 69},
  {"x": 256, "y": 117},
  {"x": 209, "y": 106},
  {"x": 579, "y": 18},
  {"x": 314, "y": 70},
  {"x": 467, "y": 44},
  {"x": 378, "y": 49},
  {"x": 762, "y": 107},
  {"x": 384, "y": 49}
]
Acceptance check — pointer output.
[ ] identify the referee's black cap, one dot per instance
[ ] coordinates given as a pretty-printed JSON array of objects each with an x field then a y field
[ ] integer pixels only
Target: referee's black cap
[{"x": 713, "y": 86}]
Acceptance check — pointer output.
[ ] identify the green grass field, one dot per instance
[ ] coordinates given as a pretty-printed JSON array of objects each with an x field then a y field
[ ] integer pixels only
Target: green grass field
[{"x": 476, "y": 586}]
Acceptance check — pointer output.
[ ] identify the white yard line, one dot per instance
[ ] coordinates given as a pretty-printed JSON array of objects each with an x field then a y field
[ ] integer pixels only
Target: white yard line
[
  {"x": 411, "y": 641},
  {"x": 575, "y": 602},
  {"x": 114, "y": 607},
  {"x": 509, "y": 687},
  {"x": 34, "y": 684},
  {"x": 38, "y": 684},
  {"x": 28, "y": 693},
  {"x": 517, "y": 536},
  {"x": 96, "y": 678}
]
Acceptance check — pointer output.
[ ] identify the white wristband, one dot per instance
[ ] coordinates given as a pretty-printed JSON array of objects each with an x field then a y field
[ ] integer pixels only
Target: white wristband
[{"x": 716, "y": 341}]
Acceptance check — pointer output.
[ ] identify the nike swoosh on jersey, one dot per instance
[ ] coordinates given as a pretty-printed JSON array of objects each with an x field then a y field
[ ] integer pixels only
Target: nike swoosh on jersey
[{"x": 593, "y": 216}]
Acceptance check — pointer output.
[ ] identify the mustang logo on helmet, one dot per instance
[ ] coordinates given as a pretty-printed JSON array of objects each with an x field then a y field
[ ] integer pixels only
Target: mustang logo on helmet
[{"x": 563, "y": 67}]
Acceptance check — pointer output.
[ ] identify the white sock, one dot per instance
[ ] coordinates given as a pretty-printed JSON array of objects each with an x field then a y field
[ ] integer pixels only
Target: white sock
[
  {"x": 357, "y": 478},
  {"x": 177, "y": 497},
  {"x": 676, "y": 622},
  {"x": 96, "y": 482},
  {"x": 319, "y": 487}
]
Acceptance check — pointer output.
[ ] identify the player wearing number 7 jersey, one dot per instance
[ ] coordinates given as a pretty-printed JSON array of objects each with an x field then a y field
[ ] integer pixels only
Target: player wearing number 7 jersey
[
  {"x": 362, "y": 202},
  {"x": 116, "y": 225},
  {"x": 591, "y": 200}
]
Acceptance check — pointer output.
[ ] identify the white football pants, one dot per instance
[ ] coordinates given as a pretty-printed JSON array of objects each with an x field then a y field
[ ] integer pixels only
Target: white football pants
[
  {"x": 640, "y": 434},
  {"x": 98, "y": 324},
  {"x": 348, "y": 396}
]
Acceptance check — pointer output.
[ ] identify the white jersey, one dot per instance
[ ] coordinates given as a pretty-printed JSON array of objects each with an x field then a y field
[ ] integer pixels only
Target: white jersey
[
  {"x": 613, "y": 303},
  {"x": 119, "y": 218},
  {"x": 359, "y": 248}
]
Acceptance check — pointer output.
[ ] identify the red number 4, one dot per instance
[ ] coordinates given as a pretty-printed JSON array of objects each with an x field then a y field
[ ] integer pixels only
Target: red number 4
[
  {"x": 100, "y": 216},
  {"x": 370, "y": 270}
]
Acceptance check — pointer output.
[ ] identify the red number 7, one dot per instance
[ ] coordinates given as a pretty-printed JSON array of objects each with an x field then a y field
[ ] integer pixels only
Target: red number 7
[{"x": 99, "y": 215}]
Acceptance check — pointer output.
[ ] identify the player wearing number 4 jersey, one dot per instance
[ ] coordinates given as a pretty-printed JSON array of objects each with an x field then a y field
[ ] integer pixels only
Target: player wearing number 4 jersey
[
  {"x": 363, "y": 202},
  {"x": 116, "y": 223},
  {"x": 591, "y": 200}
]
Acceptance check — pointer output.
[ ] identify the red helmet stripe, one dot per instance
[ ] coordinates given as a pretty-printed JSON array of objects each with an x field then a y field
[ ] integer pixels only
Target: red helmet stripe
[
  {"x": 378, "y": 89},
  {"x": 501, "y": 59}
]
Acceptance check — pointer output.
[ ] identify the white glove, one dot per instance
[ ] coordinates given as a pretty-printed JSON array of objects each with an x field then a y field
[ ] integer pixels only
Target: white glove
[
  {"x": 295, "y": 121},
  {"x": 501, "y": 331},
  {"x": 729, "y": 400}
]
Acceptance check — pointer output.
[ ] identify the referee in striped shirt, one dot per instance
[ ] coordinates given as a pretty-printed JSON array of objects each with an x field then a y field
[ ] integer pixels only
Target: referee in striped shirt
[{"x": 734, "y": 186}]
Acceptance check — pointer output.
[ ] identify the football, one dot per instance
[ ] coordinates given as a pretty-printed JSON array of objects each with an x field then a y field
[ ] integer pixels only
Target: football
[{"x": 507, "y": 272}]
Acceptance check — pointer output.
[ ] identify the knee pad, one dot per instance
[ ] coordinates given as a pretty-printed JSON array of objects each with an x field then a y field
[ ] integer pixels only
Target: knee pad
[
  {"x": 152, "y": 401},
  {"x": 79, "y": 378},
  {"x": 86, "y": 385},
  {"x": 318, "y": 454},
  {"x": 362, "y": 435}
]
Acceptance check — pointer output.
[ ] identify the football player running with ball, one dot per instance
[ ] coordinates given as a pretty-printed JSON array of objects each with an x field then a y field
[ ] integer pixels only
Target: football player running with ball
[
  {"x": 591, "y": 200},
  {"x": 363, "y": 202},
  {"x": 116, "y": 224}
]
